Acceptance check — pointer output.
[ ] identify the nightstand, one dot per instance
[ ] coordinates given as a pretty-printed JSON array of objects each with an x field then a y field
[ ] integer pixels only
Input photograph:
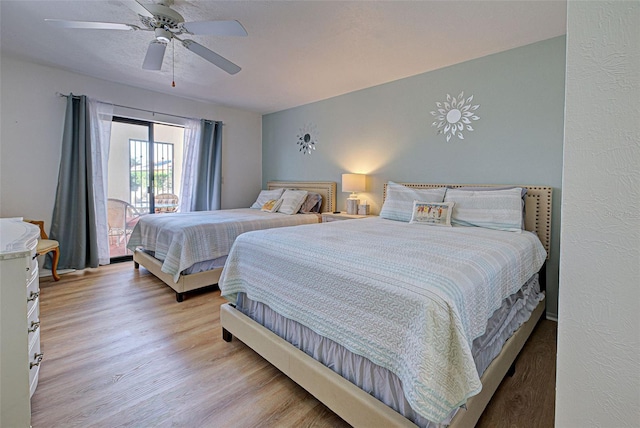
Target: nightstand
[{"x": 327, "y": 217}]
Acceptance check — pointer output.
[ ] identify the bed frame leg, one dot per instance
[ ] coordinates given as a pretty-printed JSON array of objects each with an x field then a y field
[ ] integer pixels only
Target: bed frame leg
[
  {"x": 136, "y": 265},
  {"x": 226, "y": 336},
  {"x": 179, "y": 297},
  {"x": 542, "y": 277}
]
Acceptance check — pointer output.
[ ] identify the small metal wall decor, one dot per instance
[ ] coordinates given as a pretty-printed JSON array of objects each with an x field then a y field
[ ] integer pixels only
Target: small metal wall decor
[
  {"x": 455, "y": 115},
  {"x": 307, "y": 138}
]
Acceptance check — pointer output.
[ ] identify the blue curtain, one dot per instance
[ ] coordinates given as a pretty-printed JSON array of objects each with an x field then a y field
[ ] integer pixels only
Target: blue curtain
[
  {"x": 74, "y": 217},
  {"x": 207, "y": 186}
]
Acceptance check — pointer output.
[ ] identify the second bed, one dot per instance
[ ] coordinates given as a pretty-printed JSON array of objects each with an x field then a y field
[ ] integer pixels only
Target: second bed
[{"x": 187, "y": 251}]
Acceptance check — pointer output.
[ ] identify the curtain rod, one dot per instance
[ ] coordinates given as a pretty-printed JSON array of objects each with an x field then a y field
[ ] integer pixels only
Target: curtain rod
[{"x": 140, "y": 109}]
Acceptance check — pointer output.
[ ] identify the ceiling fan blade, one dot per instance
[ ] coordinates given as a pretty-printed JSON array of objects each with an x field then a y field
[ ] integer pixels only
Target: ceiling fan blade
[
  {"x": 155, "y": 55},
  {"x": 215, "y": 28},
  {"x": 89, "y": 25},
  {"x": 211, "y": 56},
  {"x": 138, "y": 8}
]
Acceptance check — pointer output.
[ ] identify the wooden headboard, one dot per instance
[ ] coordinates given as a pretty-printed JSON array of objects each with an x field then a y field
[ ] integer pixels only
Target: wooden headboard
[
  {"x": 327, "y": 189},
  {"x": 537, "y": 207}
]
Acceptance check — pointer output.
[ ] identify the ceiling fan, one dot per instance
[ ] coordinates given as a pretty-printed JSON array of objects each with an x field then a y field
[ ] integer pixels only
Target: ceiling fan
[{"x": 167, "y": 24}]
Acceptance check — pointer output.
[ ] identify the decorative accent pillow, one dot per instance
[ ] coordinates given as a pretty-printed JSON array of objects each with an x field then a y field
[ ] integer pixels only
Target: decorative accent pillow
[
  {"x": 292, "y": 201},
  {"x": 271, "y": 205},
  {"x": 398, "y": 204},
  {"x": 493, "y": 209},
  {"x": 267, "y": 195},
  {"x": 312, "y": 203},
  {"x": 432, "y": 213}
]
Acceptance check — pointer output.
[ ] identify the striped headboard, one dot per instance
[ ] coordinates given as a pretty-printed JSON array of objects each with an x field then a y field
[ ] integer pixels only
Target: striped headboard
[{"x": 327, "y": 189}]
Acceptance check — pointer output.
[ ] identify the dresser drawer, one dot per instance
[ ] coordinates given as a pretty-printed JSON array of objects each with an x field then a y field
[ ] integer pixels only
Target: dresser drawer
[
  {"x": 33, "y": 322},
  {"x": 35, "y": 358},
  {"x": 33, "y": 290},
  {"x": 31, "y": 246},
  {"x": 32, "y": 266}
]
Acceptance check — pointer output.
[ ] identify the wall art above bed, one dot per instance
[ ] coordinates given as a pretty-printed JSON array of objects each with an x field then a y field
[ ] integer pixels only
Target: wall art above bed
[
  {"x": 307, "y": 138},
  {"x": 454, "y": 116}
]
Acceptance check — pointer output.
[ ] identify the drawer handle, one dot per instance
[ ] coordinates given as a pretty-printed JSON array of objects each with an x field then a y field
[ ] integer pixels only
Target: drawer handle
[
  {"x": 33, "y": 296},
  {"x": 38, "y": 359},
  {"x": 34, "y": 326}
]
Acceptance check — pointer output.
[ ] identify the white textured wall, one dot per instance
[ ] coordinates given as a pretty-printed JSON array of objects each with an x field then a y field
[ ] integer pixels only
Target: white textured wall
[
  {"x": 598, "y": 372},
  {"x": 32, "y": 118}
]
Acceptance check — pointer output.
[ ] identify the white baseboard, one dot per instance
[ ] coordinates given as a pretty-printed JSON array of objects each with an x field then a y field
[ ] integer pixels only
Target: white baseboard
[{"x": 47, "y": 272}]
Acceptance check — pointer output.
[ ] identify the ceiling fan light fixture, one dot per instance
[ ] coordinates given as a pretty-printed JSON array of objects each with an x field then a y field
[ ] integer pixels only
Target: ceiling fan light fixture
[
  {"x": 167, "y": 24},
  {"x": 163, "y": 35}
]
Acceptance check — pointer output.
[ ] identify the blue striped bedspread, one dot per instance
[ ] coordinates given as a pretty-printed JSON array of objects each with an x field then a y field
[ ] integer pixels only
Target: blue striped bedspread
[
  {"x": 183, "y": 239},
  {"x": 409, "y": 297}
]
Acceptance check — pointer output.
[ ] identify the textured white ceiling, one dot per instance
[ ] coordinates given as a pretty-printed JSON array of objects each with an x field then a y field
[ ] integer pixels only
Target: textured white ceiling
[{"x": 297, "y": 52}]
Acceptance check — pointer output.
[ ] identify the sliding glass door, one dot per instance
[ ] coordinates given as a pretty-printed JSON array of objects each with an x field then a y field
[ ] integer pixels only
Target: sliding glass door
[{"x": 145, "y": 170}]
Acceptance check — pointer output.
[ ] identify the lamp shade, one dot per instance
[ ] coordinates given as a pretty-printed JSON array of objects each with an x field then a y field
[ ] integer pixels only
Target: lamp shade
[{"x": 354, "y": 182}]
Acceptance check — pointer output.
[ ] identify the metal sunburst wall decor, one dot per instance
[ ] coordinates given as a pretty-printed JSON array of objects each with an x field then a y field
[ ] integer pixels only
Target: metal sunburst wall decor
[
  {"x": 455, "y": 115},
  {"x": 307, "y": 138}
]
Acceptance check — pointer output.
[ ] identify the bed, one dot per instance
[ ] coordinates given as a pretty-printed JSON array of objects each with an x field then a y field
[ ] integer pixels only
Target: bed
[
  {"x": 333, "y": 327},
  {"x": 166, "y": 246}
]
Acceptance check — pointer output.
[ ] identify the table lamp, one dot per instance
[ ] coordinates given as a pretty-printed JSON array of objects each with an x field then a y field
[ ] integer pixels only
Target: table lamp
[{"x": 353, "y": 183}]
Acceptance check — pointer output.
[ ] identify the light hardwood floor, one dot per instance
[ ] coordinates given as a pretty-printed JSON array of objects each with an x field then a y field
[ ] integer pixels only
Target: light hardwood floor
[{"x": 119, "y": 351}]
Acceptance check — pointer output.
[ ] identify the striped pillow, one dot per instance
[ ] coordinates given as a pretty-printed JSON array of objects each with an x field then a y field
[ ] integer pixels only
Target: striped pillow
[
  {"x": 492, "y": 209},
  {"x": 398, "y": 204},
  {"x": 292, "y": 201}
]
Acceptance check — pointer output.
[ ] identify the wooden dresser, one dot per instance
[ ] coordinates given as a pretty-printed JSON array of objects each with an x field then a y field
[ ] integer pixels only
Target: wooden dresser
[{"x": 20, "y": 354}]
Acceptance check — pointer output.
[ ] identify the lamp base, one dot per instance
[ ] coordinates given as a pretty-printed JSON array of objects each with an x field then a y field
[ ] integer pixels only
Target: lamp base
[{"x": 352, "y": 206}]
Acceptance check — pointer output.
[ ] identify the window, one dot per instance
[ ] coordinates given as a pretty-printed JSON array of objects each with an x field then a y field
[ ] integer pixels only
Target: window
[
  {"x": 145, "y": 160},
  {"x": 139, "y": 177}
]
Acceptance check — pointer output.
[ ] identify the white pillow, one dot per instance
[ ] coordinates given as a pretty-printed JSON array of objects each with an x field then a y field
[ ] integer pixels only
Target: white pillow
[
  {"x": 432, "y": 213},
  {"x": 267, "y": 195},
  {"x": 398, "y": 204},
  {"x": 493, "y": 209},
  {"x": 292, "y": 200}
]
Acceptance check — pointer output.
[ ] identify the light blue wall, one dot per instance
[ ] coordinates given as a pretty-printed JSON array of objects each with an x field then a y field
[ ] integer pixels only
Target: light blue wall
[{"x": 385, "y": 131}]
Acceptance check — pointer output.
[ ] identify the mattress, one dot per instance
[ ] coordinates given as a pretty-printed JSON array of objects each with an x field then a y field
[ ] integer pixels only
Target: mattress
[
  {"x": 410, "y": 298},
  {"x": 181, "y": 240},
  {"x": 378, "y": 381},
  {"x": 197, "y": 267}
]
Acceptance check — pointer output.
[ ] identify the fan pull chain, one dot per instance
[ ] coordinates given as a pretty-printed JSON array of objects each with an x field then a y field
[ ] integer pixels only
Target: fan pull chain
[{"x": 173, "y": 64}]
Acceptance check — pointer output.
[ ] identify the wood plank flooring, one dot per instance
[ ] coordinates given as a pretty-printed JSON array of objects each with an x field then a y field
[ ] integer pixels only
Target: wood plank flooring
[{"x": 119, "y": 351}]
